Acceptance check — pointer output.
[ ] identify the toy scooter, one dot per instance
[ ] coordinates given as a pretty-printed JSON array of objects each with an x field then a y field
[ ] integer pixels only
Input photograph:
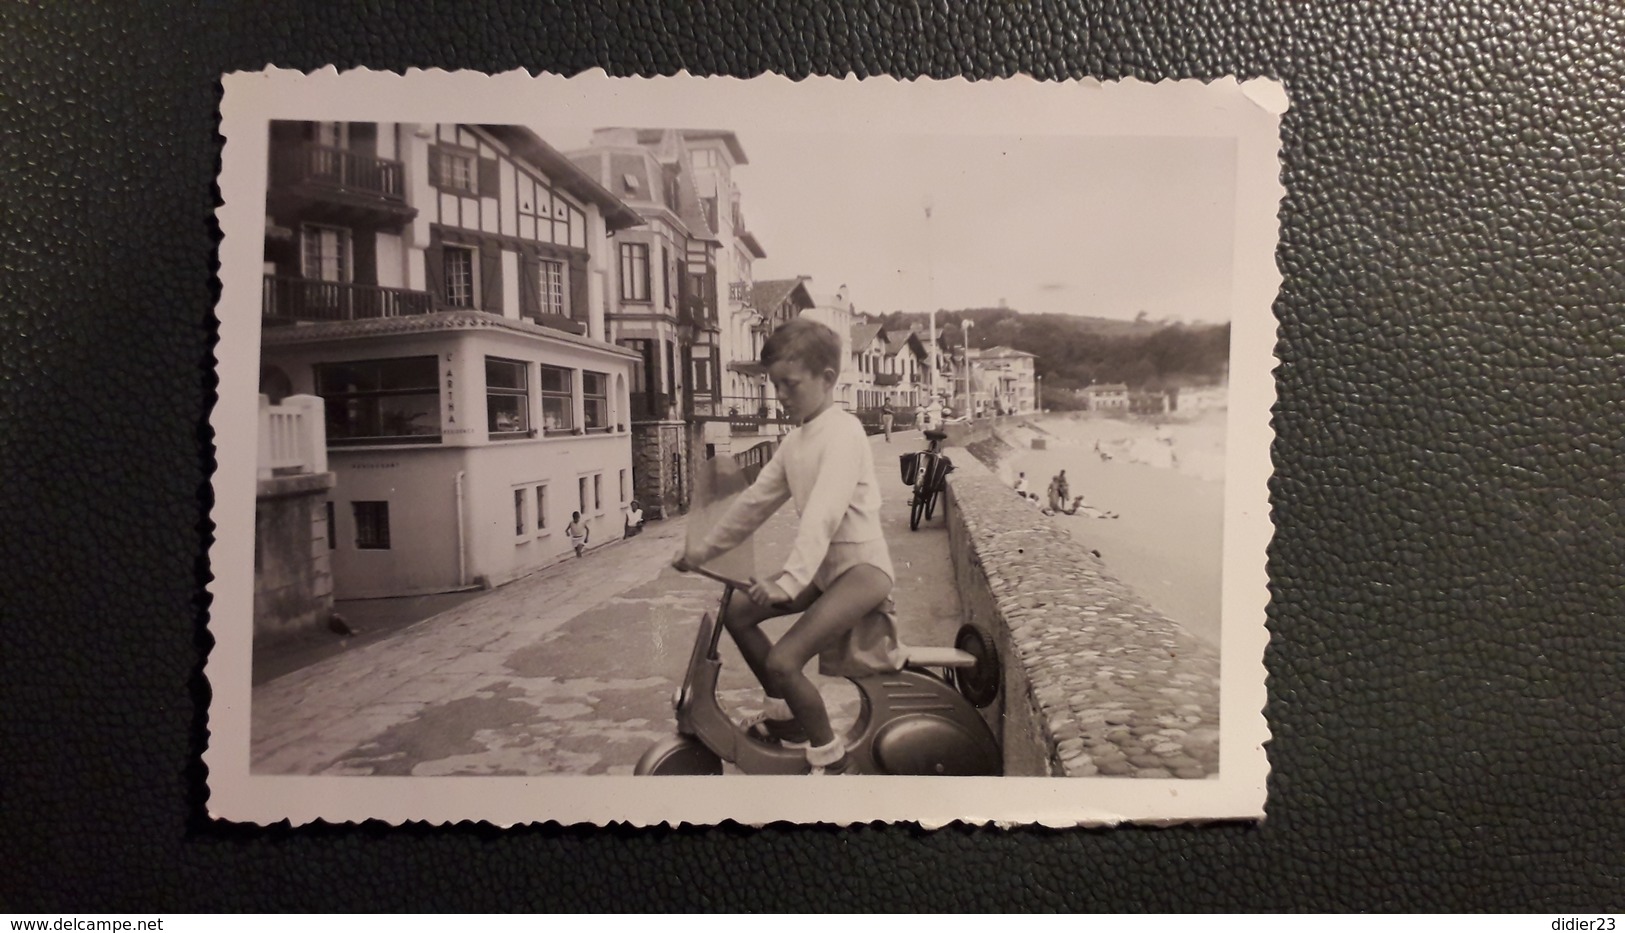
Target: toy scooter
[{"x": 921, "y": 720}]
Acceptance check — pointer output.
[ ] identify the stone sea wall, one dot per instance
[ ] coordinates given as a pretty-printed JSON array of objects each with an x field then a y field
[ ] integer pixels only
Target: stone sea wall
[{"x": 1096, "y": 681}]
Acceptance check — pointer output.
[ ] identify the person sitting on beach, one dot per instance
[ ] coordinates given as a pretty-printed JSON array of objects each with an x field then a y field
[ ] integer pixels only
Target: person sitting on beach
[
  {"x": 839, "y": 569},
  {"x": 1021, "y": 485}
]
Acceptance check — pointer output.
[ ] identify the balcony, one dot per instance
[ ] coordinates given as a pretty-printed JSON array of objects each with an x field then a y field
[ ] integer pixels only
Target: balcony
[
  {"x": 739, "y": 292},
  {"x": 292, "y": 437},
  {"x": 744, "y": 413},
  {"x": 285, "y": 299},
  {"x": 340, "y": 186},
  {"x": 888, "y": 379}
]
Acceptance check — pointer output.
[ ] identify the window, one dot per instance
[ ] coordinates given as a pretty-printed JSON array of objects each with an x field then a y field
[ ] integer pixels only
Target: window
[
  {"x": 459, "y": 171},
  {"x": 459, "y": 273},
  {"x": 550, "y": 279},
  {"x": 381, "y": 401},
  {"x": 541, "y": 509},
  {"x": 595, "y": 401},
  {"x": 371, "y": 525},
  {"x": 336, "y": 135},
  {"x": 558, "y": 400},
  {"x": 598, "y": 492},
  {"x": 624, "y": 496},
  {"x": 700, "y": 376},
  {"x": 507, "y": 397},
  {"x": 519, "y": 525},
  {"x": 705, "y": 158},
  {"x": 634, "y": 271},
  {"x": 332, "y": 530},
  {"x": 582, "y": 488},
  {"x": 326, "y": 253}
]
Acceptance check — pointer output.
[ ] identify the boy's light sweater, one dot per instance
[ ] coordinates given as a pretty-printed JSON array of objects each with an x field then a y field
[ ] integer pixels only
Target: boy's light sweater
[{"x": 827, "y": 467}]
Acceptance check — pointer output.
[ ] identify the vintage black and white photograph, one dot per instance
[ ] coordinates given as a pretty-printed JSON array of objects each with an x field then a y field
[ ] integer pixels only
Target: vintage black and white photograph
[{"x": 683, "y": 450}]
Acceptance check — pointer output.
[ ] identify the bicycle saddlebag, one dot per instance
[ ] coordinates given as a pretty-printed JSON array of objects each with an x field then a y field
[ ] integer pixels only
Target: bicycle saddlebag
[{"x": 910, "y": 463}]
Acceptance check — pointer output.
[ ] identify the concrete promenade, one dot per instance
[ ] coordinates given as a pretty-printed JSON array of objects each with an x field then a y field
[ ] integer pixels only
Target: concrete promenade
[{"x": 567, "y": 671}]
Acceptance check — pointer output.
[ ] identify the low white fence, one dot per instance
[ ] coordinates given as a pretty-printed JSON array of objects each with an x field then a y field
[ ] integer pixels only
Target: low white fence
[{"x": 293, "y": 436}]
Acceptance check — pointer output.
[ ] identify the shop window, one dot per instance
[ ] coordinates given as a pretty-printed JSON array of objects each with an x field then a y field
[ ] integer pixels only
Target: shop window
[
  {"x": 381, "y": 401},
  {"x": 595, "y": 401},
  {"x": 558, "y": 400},
  {"x": 371, "y": 525},
  {"x": 507, "y": 397}
]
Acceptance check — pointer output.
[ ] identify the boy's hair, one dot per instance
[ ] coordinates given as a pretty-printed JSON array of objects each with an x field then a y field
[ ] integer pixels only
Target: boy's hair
[{"x": 806, "y": 341}]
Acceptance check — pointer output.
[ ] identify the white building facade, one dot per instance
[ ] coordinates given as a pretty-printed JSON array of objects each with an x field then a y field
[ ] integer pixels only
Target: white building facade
[{"x": 442, "y": 288}]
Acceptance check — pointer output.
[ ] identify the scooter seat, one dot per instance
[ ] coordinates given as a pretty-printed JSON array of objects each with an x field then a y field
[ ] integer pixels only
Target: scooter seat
[{"x": 939, "y": 657}]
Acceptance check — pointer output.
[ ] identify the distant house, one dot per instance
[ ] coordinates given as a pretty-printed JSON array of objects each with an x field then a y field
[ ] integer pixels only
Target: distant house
[
  {"x": 1007, "y": 376},
  {"x": 1112, "y": 396}
]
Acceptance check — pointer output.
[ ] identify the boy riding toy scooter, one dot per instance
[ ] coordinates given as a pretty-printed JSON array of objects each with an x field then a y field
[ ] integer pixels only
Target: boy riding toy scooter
[{"x": 839, "y": 578}]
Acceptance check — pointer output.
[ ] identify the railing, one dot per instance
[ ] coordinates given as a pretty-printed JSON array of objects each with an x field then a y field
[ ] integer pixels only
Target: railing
[
  {"x": 739, "y": 409},
  {"x": 888, "y": 379},
  {"x": 751, "y": 461},
  {"x": 341, "y": 168},
  {"x": 293, "y": 437},
  {"x": 738, "y": 291},
  {"x": 295, "y": 299}
]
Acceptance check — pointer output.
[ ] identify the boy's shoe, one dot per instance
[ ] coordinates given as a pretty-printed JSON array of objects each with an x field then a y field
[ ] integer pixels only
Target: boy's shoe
[{"x": 782, "y": 731}]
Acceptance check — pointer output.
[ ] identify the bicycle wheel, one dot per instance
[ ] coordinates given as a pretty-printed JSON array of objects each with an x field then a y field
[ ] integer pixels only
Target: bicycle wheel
[
  {"x": 931, "y": 504},
  {"x": 916, "y": 509}
]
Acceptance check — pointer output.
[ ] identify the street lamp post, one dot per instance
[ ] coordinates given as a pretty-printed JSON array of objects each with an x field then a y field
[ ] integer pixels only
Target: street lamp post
[
  {"x": 1040, "y": 402},
  {"x": 970, "y": 397}
]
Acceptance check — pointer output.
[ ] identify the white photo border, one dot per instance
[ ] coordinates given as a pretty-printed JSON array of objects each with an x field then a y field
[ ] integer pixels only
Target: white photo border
[{"x": 1249, "y": 112}]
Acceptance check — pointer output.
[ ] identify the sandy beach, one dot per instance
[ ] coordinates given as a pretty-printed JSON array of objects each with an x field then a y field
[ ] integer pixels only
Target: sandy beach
[{"x": 1165, "y": 478}]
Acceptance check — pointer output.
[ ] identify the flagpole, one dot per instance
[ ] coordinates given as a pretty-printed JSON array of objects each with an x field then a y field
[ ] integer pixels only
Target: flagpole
[{"x": 930, "y": 299}]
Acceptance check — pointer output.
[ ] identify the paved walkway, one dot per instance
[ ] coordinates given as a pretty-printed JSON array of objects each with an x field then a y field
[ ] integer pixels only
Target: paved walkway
[{"x": 569, "y": 670}]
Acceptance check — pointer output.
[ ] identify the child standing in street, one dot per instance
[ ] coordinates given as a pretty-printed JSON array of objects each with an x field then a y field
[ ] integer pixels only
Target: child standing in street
[
  {"x": 578, "y": 533},
  {"x": 839, "y": 569}
]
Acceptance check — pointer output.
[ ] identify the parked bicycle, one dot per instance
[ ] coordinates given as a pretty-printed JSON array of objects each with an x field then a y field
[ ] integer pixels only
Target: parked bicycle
[{"x": 927, "y": 471}]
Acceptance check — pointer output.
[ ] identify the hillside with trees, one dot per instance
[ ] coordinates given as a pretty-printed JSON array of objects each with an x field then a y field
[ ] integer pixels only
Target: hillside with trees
[{"x": 1074, "y": 351}]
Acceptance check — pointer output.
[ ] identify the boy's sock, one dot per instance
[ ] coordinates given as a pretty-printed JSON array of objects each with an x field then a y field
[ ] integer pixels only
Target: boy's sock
[{"x": 827, "y": 759}]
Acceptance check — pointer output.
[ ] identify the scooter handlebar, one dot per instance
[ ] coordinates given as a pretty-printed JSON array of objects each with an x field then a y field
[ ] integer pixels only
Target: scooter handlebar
[{"x": 736, "y": 584}]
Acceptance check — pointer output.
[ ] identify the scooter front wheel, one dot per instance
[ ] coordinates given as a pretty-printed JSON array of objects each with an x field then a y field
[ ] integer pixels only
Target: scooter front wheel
[{"x": 678, "y": 755}]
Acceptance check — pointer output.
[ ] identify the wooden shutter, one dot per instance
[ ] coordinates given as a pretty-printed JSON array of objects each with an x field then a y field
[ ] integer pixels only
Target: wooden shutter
[
  {"x": 491, "y": 277},
  {"x": 364, "y": 138},
  {"x": 365, "y": 246},
  {"x": 578, "y": 289},
  {"x": 489, "y": 188},
  {"x": 434, "y": 270},
  {"x": 530, "y": 295},
  {"x": 434, "y": 166}
]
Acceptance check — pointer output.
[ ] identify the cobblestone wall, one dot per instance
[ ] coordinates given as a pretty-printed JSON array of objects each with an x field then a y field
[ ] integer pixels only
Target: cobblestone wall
[{"x": 1096, "y": 681}]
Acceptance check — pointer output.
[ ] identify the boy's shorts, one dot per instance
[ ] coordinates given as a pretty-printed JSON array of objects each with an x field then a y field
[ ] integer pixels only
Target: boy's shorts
[{"x": 844, "y": 555}]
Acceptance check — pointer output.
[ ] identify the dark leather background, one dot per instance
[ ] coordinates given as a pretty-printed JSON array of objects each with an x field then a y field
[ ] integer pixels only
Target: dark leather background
[{"x": 1448, "y": 632}]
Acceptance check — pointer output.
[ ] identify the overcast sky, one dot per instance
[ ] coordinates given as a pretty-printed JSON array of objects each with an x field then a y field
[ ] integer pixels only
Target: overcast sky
[{"x": 1104, "y": 226}]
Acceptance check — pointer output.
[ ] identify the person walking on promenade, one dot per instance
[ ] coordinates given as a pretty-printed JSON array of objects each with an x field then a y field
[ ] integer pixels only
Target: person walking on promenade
[
  {"x": 839, "y": 569},
  {"x": 1052, "y": 495},
  {"x": 886, "y": 416},
  {"x": 1063, "y": 492},
  {"x": 578, "y": 533}
]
